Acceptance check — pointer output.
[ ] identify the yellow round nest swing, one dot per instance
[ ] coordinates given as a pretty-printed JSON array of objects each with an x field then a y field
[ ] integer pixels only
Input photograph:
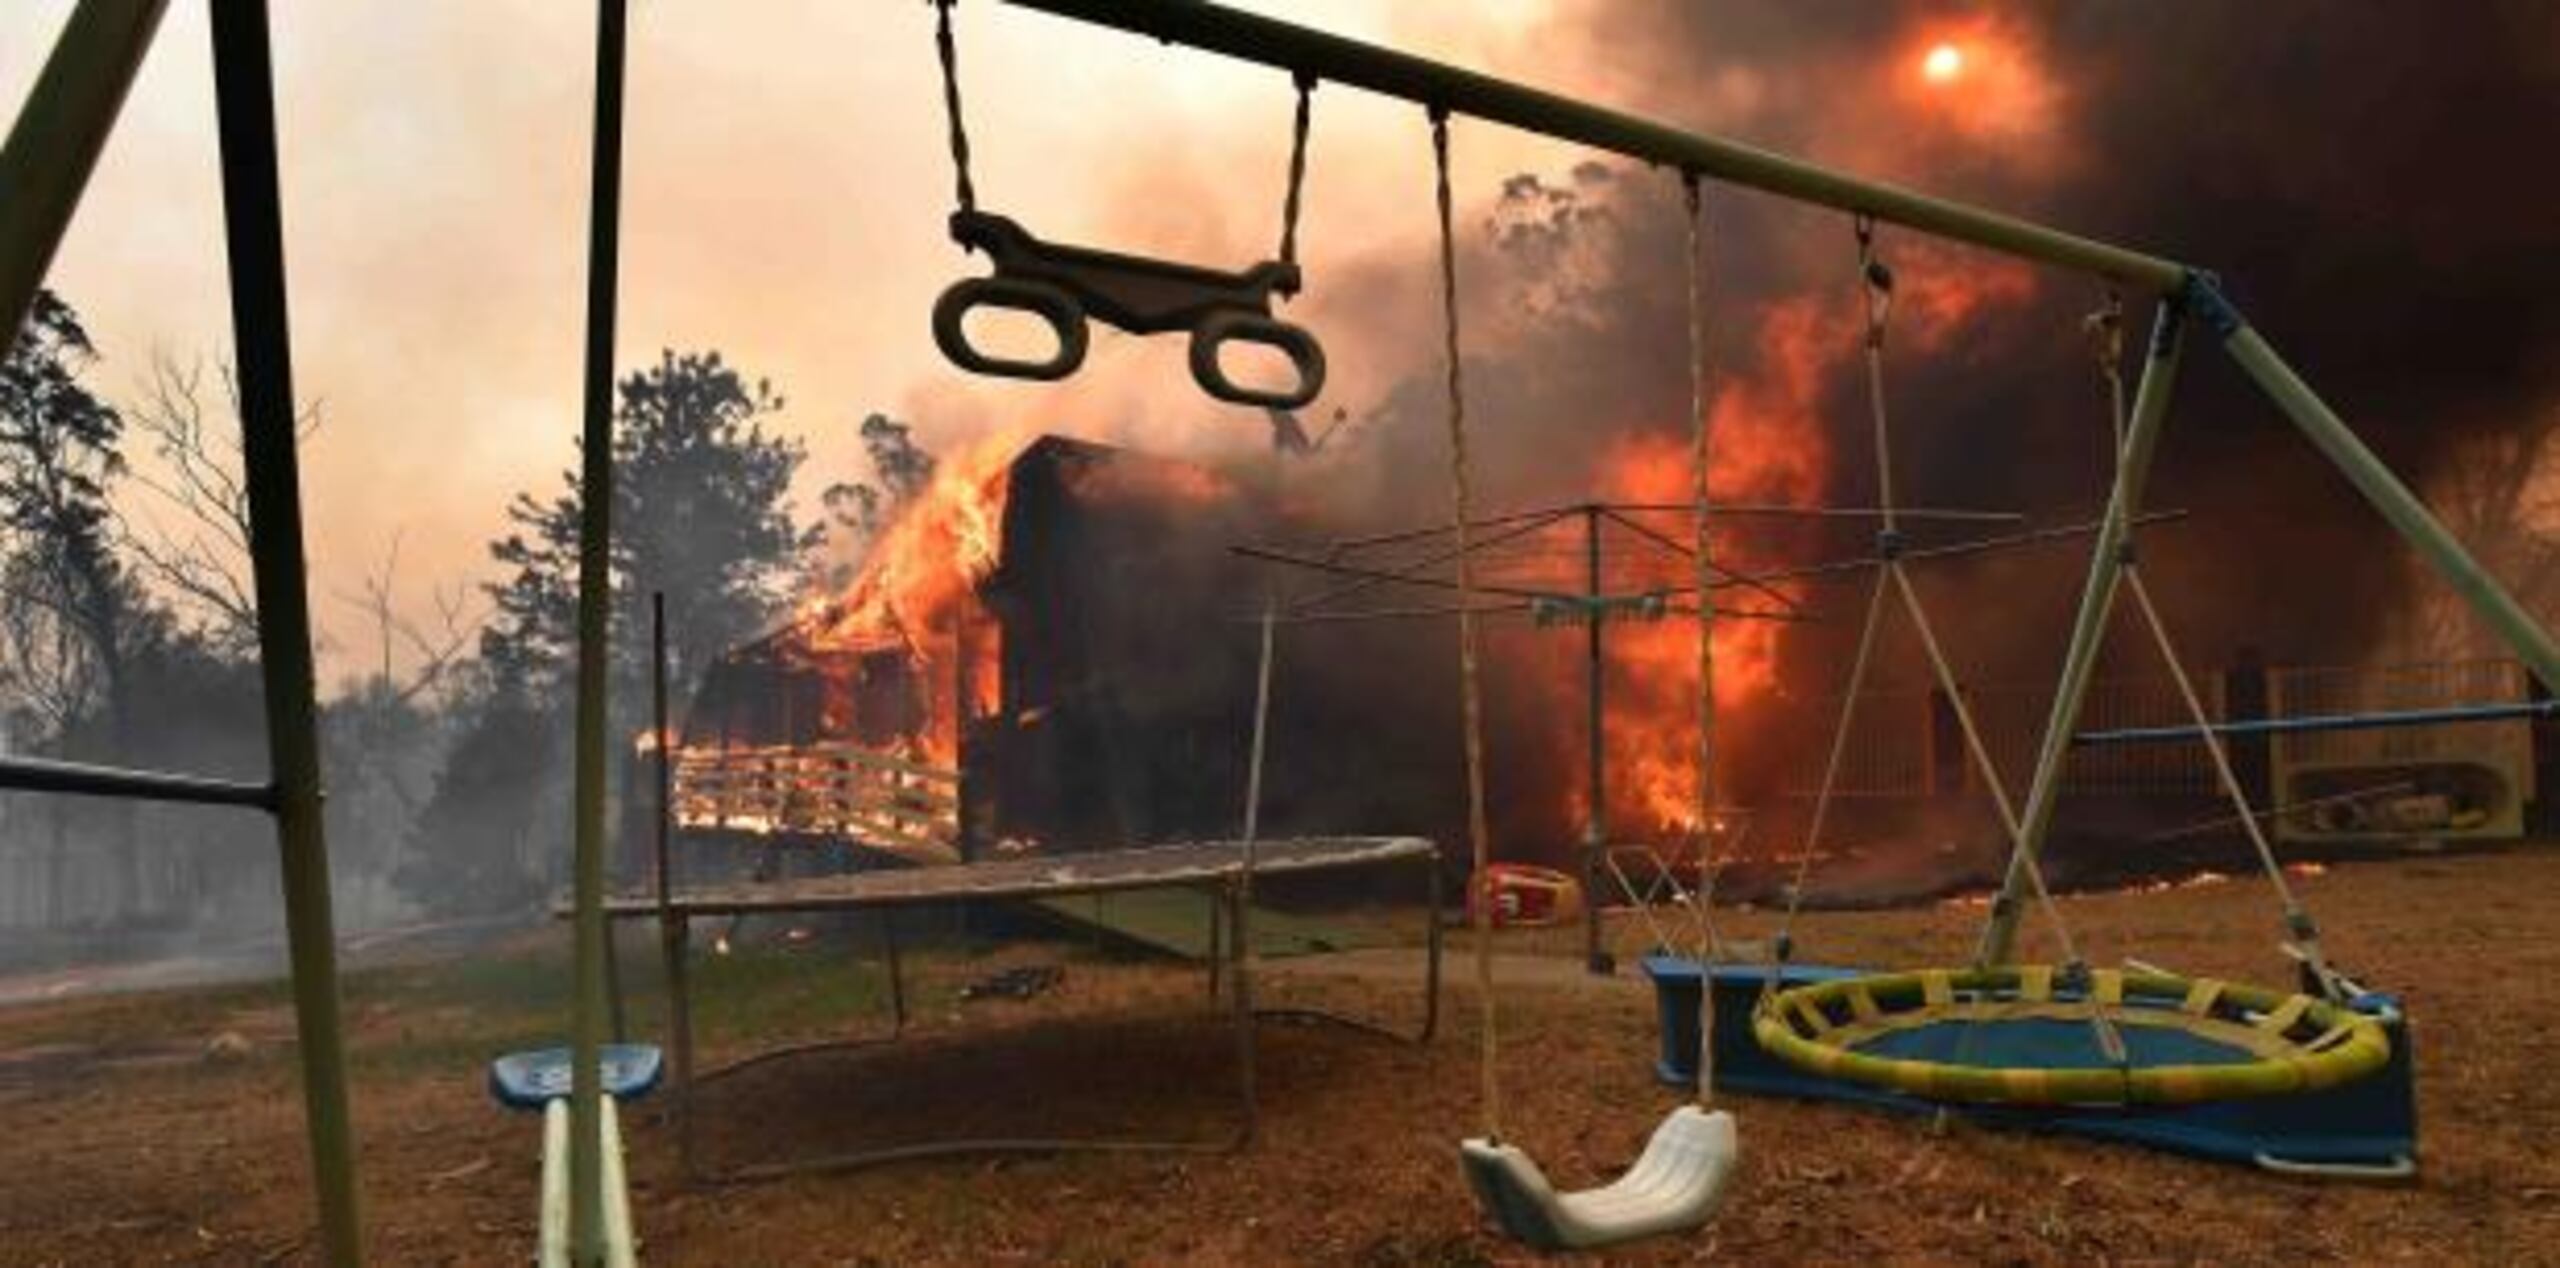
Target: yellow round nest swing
[{"x": 2036, "y": 1035}]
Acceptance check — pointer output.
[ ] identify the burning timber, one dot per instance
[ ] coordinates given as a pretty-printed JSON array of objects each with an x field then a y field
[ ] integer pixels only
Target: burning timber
[{"x": 1039, "y": 653}]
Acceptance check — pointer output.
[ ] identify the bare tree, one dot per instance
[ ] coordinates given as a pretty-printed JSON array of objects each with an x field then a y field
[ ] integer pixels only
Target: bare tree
[
  {"x": 436, "y": 649},
  {"x": 197, "y": 544},
  {"x": 2499, "y": 493}
]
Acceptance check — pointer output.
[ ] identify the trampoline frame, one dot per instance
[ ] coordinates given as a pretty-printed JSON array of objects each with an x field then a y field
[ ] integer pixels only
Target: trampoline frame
[{"x": 1215, "y": 868}]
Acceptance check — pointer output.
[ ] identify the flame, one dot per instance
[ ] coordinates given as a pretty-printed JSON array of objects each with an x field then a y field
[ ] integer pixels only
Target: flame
[
  {"x": 917, "y": 594},
  {"x": 2171, "y": 884},
  {"x": 1769, "y": 445}
]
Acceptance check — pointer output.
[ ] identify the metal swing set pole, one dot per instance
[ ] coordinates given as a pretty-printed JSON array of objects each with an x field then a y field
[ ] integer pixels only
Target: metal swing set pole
[
  {"x": 595, "y": 537},
  {"x": 2182, "y": 288},
  {"x": 45, "y": 165}
]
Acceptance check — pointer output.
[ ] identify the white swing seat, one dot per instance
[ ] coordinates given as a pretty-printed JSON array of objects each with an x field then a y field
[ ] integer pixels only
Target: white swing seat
[{"x": 1676, "y": 1186}]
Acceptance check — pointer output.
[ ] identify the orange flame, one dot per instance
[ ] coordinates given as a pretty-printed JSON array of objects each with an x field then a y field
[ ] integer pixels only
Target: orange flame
[
  {"x": 917, "y": 594},
  {"x": 1769, "y": 445}
]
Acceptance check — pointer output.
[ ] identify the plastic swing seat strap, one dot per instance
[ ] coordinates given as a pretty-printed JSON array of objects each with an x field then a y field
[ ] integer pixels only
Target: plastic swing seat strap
[{"x": 1677, "y": 1184}]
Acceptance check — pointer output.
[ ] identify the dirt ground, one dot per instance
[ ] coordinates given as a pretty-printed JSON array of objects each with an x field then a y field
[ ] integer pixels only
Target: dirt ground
[{"x": 167, "y": 1127}]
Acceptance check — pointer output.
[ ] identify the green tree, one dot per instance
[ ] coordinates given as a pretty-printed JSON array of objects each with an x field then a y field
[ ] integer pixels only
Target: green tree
[
  {"x": 71, "y": 609},
  {"x": 858, "y": 510},
  {"x": 478, "y": 843},
  {"x": 58, "y": 453},
  {"x": 701, "y": 511}
]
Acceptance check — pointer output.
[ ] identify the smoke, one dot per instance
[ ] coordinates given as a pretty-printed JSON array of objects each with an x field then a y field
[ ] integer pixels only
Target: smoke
[{"x": 2364, "y": 189}]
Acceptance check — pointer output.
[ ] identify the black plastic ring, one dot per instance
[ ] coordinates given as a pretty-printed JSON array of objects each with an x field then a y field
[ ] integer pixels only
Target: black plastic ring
[
  {"x": 1048, "y": 303},
  {"x": 1305, "y": 355}
]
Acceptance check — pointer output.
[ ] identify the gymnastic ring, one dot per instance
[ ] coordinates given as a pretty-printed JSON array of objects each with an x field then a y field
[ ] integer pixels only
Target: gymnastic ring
[
  {"x": 1065, "y": 318},
  {"x": 1214, "y": 331}
]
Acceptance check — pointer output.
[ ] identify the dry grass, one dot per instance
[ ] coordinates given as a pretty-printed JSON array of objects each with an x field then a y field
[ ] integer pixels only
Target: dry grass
[{"x": 121, "y": 1142}]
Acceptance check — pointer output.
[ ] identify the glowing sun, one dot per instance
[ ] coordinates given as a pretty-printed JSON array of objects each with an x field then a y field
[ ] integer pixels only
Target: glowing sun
[{"x": 1942, "y": 64}]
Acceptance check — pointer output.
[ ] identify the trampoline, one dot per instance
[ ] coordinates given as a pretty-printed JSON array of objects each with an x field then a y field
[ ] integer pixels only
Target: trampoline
[
  {"x": 2031, "y": 1035},
  {"x": 1221, "y": 869}
]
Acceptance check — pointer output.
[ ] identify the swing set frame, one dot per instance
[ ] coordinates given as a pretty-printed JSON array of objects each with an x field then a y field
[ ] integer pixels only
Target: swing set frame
[
  {"x": 54, "y": 144},
  {"x": 2180, "y": 292}
]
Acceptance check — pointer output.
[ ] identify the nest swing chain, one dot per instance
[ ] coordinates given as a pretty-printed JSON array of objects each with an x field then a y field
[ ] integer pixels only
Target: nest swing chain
[
  {"x": 964, "y": 193},
  {"x": 1063, "y": 286},
  {"x": 1300, "y": 125}
]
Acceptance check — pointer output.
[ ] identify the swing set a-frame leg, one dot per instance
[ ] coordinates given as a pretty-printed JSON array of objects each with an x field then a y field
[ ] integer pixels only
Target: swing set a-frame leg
[
  {"x": 2089, "y": 627},
  {"x": 2394, "y": 500}
]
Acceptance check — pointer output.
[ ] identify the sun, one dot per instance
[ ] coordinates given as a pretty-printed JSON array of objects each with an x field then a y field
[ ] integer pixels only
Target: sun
[{"x": 1942, "y": 64}]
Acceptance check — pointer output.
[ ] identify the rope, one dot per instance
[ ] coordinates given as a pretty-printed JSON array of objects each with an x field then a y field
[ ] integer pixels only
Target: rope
[
  {"x": 2298, "y": 920},
  {"x": 1877, "y": 279},
  {"x": 1783, "y": 945},
  {"x": 1297, "y": 168},
  {"x": 966, "y": 193},
  {"x": 2106, "y": 327},
  {"x": 1700, "y": 467},
  {"x": 1461, "y": 499}
]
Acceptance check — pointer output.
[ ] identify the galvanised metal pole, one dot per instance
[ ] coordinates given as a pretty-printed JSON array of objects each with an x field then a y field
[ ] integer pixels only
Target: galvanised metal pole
[
  {"x": 1299, "y": 49},
  {"x": 81, "y": 779},
  {"x": 253, "y": 232},
  {"x": 1595, "y": 826},
  {"x": 2525, "y": 636},
  {"x": 2089, "y": 627},
  {"x": 595, "y": 585},
  {"x": 54, "y": 145}
]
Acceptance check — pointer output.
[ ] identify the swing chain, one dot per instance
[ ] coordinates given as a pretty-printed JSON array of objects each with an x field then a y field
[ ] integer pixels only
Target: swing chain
[
  {"x": 1878, "y": 277},
  {"x": 2105, "y": 328},
  {"x": 943, "y": 44},
  {"x": 1306, "y": 84}
]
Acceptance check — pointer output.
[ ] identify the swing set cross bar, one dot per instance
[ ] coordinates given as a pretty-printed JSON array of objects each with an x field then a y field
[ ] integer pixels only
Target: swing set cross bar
[{"x": 1442, "y": 87}]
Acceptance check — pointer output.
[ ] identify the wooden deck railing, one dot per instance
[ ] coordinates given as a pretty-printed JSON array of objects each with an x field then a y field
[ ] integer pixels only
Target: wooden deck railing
[{"x": 830, "y": 789}]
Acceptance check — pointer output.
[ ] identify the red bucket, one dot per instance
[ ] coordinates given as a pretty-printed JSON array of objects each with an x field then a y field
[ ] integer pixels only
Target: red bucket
[{"x": 1525, "y": 895}]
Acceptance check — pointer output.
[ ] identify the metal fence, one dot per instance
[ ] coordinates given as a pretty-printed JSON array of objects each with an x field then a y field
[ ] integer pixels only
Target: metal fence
[
  {"x": 2447, "y": 780},
  {"x": 1905, "y": 741}
]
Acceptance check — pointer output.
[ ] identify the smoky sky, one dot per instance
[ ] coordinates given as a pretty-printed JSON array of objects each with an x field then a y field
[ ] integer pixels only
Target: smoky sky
[
  {"x": 2370, "y": 181},
  {"x": 2367, "y": 181}
]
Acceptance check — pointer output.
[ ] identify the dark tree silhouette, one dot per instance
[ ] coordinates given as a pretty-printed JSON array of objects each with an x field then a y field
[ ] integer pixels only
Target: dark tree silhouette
[{"x": 701, "y": 511}]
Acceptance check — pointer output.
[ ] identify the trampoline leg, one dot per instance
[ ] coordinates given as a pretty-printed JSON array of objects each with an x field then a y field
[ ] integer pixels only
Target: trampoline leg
[
  {"x": 1217, "y": 956},
  {"x": 613, "y": 983},
  {"x": 674, "y": 935},
  {"x": 897, "y": 972},
  {"x": 1431, "y": 955},
  {"x": 1240, "y": 1013}
]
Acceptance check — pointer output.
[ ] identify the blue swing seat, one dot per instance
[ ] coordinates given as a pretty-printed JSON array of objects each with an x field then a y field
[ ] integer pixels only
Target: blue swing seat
[{"x": 531, "y": 1080}]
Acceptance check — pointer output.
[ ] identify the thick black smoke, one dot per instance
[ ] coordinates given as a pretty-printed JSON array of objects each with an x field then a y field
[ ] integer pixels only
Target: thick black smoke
[{"x": 2370, "y": 182}]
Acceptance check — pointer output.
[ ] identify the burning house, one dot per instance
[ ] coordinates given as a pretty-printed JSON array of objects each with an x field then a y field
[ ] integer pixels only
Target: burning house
[{"x": 1057, "y": 634}]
